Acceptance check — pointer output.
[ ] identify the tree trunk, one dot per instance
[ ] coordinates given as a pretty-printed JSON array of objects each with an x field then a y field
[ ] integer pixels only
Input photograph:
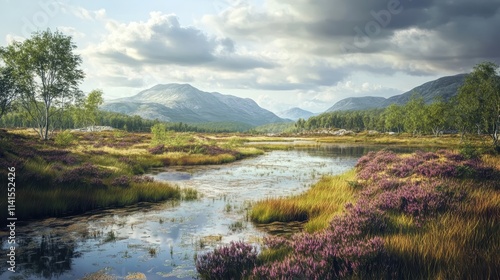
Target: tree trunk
[{"x": 46, "y": 128}]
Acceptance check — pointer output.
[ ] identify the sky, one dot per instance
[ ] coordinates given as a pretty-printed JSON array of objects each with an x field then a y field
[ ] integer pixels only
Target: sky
[{"x": 283, "y": 54}]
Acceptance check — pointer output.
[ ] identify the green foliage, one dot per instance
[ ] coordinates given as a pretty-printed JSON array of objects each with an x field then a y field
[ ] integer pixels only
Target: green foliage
[
  {"x": 47, "y": 75},
  {"x": 478, "y": 102},
  {"x": 352, "y": 120},
  {"x": 394, "y": 117},
  {"x": 8, "y": 91},
  {"x": 88, "y": 113},
  {"x": 415, "y": 113},
  {"x": 64, "y": 138},
  {"x": 469, "y": 151},
  {"x": 284, "y": 127},
  {"x": 161, "y": 135}
]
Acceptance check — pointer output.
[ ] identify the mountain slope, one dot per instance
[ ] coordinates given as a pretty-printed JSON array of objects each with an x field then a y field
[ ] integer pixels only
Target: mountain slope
[
  {"x": 444, "y": 88},
  {"x": 185, "y": 103},
  {"x": 295, "y": 114}
]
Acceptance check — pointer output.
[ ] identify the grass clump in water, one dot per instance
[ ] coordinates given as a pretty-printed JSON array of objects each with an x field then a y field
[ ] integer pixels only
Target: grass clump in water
[{"x": 317, "y": 206}]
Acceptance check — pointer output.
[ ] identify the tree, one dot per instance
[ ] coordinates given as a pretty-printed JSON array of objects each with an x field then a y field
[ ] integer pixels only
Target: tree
[
  {"x": 8, "y": 91},
  {"x": 437, "y": 116},
  {"x": 415, "y": 112},
  {"x": 47, "y": 73},
  {"x": 394, "y": 117},
  {"x": 88, "y": 113},
  {"x": 479, "y": 101}
]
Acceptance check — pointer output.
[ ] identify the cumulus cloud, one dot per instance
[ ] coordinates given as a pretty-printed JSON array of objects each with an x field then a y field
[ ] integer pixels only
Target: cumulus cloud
[
  {"x": 427, "y": 36},
  {"x": 83, "y": 13},
  {"x": 163, "y": 41}
]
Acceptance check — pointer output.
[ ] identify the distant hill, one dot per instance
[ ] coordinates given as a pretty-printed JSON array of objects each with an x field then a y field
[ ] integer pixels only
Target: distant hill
[
  {"x": 295, "y": 114},
  {"x": 445, "y": 88},
  {"x": 185, "y": 103}
]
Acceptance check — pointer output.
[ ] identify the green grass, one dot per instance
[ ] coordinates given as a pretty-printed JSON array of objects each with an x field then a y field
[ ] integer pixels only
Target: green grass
[
  {"x": 46, "y": 190},
  {"x": 43, "y": 174},
  {"x": 317, "y": 206}
]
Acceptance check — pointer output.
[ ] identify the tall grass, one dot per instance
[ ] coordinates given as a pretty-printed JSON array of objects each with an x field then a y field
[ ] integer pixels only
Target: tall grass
[
  {"x": 35, "y": 202},
  {"x": 419, "y": 216},
  {"x": 317, "y": 206}
]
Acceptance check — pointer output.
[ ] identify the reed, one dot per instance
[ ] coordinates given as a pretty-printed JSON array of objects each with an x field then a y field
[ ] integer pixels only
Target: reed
[{"x": 317, "y": 206}]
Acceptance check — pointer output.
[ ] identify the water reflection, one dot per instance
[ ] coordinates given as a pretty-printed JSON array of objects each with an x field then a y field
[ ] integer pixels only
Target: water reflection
[
  {"x": 161, "y": 240},
  {"x": 47, "y": 257}
]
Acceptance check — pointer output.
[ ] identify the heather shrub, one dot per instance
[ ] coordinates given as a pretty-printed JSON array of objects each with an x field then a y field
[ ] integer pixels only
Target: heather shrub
[
  {"x": 234, "y": 261},
  {"x": 82, "y": 175},
  {"x": 122, "y": 181},
  {"x": 158, "y": 149}
]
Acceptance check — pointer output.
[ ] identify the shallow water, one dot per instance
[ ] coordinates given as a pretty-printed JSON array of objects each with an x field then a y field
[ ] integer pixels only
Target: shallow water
[{"x": 161, "y": 240}]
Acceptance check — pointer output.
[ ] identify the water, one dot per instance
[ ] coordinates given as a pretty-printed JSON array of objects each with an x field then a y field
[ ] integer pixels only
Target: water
[{"x": 161, "y": 240}]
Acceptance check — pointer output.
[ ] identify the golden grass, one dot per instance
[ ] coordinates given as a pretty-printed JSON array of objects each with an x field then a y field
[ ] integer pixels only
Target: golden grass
[
  {"x": 400, "y": 140},
  {"x": 460, "y": 243},
  {"x": 317, "y": 206}
]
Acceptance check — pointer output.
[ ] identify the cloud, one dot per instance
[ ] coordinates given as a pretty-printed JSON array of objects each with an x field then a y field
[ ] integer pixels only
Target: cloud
[
  {"x": 307, "y": 49},
  {"x": 161, "y": 40},
  {"x": 71, "y": 31},
  {"x": 417, "y": 37},
  {"x": 83, "y": 13}
]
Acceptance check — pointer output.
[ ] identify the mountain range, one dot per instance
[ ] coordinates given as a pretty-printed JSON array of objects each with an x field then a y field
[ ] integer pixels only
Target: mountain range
[
  {"x": 295, "y": 114},
  {"x": 185, "y": 103},
  {"x": 443, "y": 88}
]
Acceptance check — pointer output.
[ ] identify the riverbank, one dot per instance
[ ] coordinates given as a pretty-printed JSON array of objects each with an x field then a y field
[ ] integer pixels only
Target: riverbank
[
  {"x": 423, "y": 216},
  {"x": 79, "y": 172}
]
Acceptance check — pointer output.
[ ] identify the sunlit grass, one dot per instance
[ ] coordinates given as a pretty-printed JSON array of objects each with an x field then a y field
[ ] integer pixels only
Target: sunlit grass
[
  {"x": 249, "y": 151},
  {"x": 317, "y": 206},
  {"x": 197, "y": 159},
  {"x": 460, "y": 242}
]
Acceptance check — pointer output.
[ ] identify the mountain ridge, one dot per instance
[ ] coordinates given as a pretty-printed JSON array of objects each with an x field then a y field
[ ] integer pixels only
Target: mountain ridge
[
  {"x": 444, "y": 88},
  {"x": 185, "y": 103},
  {"x": 295, "y": 113}
]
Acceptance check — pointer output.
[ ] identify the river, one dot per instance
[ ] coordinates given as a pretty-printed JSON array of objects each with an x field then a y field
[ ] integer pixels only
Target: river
[{"x": 160, "y": 241}]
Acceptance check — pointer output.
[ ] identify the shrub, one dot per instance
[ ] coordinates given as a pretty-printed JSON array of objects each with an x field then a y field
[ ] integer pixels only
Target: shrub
[
  {"x": 229, "y": 262},
  {"x": 64, "y": 138},
  {"x": 469, "y": 152},
  {"x": 122, "y": 181},
  {"x": 159, "y": 149}
]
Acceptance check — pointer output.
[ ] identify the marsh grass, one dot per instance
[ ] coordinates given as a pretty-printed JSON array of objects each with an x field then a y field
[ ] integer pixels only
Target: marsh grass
[
  {"x": 317, "y": 206},
  {"x": 95, "y": 171},
  {"x": 38, "y": 202},
  {"x": 435, "y": 221},
  {"x": 461, "y": 242}
]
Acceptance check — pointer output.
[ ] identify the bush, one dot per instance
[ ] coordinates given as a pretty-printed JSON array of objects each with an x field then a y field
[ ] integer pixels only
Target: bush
[
  {"x": 229, "y": 262},
  {"x": 64, "y": 138},
  {"x": 469, "y": 152},
  {"x": 122, "y": 181}
]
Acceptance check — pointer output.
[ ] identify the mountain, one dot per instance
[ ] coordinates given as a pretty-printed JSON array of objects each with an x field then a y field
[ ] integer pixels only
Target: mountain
[
  {"x": 185, "y": 103},
  {"x": 295, "y": 114},
  {"x": 445, "y": 88}
]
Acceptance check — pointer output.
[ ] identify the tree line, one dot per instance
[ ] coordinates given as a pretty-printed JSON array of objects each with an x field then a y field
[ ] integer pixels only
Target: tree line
[{"x": 475, "y": 109}]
